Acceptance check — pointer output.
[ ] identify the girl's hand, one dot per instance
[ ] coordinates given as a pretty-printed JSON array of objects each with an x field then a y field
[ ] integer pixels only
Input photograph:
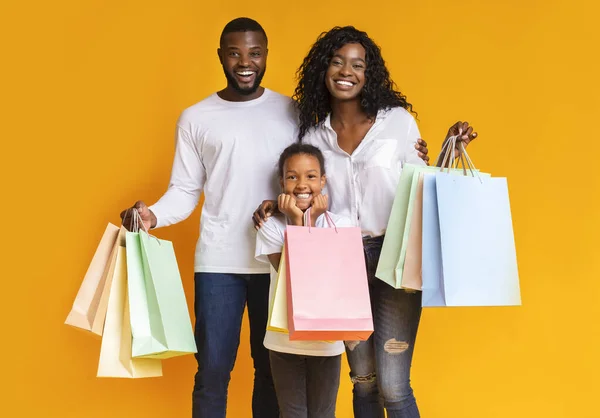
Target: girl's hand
[
  {"x": 319, "y": 206},
  {"x": 287, "y": 206}
]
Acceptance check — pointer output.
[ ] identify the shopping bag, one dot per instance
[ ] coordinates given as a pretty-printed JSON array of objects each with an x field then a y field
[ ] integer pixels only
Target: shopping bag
[
  {"x": 161, "y": 325},
  {"x": 89, "y": 308},
  {"x": 278, "y": 318},
  {"x": 327, "y": 290},
  {"x": 115, "y": 352},
  {"x": 148, "y": 335},
  {"x": 391, "y": 259},
  {"x": 411, "y": 270},
  {"x": 391, "y": 265},
  {"x": 431, "y": 263},
  {"x": 479, "y": 262}
]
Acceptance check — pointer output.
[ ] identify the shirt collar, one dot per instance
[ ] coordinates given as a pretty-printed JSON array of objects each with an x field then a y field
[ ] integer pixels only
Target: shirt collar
[{"x": 381, "y": 115}]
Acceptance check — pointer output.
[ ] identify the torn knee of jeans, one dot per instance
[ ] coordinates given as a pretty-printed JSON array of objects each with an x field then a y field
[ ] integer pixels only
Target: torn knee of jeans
[
  {"x": 393, "y": 346},
  {"x": 351, "y": 344},
  {"x": 370, "y": 378}
]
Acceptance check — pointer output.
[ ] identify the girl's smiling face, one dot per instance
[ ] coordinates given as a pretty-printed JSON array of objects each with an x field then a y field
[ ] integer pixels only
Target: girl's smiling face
[{"x": 302, "y": 178}]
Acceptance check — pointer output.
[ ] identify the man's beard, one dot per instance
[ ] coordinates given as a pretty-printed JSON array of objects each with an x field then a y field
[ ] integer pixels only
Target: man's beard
[{"x": 245, "y": 91}]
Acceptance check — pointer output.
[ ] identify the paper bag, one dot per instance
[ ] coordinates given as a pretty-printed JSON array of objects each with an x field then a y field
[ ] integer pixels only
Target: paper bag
[
  {"x": 278, "y": 318},
  {"x": 89, "y": 308},
  {"x": 327, "y": 290},
  {"x": 479, "y": 259},
  {"x": 115, "y": 352},
  {"x": 161, "y": 325}
]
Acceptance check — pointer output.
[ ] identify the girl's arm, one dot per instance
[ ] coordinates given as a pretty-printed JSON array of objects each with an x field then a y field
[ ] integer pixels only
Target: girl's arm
[{"x": 274, "y": 259}]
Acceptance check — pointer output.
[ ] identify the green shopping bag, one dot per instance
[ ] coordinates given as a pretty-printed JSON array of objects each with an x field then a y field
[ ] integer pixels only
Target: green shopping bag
[
  {"x": 160, "y": 321},
  {"x": 391, "y": 266},
  {"x": 393, "y": 252}
]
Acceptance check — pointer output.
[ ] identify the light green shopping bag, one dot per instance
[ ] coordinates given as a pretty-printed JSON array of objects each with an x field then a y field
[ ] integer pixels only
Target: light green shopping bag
[
  {"x": 160, "y": 321},
  {"x": 391, "y": 264},
  {"x": 390, "y": 268},
  {"x": 148, "y": 336},
  {"x": 393, "y": 252}
]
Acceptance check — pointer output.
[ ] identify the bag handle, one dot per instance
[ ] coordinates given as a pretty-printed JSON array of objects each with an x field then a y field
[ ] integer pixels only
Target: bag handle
[
  {"x": 446, "y": 147},
  {"x": 463, "y": 158},
  {"x": 448, "y": 152},
  {"x": 307, "y": 220},
  {"x": 136, "y": 221},
  {"x": 471, "y": 166}
]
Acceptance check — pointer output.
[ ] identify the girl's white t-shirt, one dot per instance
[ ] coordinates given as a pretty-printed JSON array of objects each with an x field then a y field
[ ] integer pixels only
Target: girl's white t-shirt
[{"x": 269, "y": 240}]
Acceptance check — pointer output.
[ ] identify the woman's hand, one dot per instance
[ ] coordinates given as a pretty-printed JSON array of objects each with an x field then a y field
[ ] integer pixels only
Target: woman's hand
[
  {"x": 464, "y": 133},
  {"x": 421, "y": 147}
]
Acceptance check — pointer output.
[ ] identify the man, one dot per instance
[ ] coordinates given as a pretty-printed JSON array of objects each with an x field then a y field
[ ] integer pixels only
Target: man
[{"x": 227, "y": 147}]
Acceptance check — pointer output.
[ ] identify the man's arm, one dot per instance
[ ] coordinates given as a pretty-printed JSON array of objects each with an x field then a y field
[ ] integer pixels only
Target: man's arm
[{"x": 188, "y": 176}]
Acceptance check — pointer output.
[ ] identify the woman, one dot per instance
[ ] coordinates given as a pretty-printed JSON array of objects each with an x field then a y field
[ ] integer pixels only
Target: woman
[{"x": 350, "y": 108}]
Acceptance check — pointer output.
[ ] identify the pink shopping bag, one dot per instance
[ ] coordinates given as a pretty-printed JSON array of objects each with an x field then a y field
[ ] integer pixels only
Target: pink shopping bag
[{"x": 328, "y": 293}]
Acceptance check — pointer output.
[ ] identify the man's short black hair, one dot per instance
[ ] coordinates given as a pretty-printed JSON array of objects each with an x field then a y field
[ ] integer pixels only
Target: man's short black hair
[{"x": 242, "y": 24}]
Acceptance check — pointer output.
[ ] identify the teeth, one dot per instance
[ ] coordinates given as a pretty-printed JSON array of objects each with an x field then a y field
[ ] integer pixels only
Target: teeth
[
  {"x": 303, "y": 196},
  {"x": 344, "y": 83},
  {"x": 245, "y": 73}
]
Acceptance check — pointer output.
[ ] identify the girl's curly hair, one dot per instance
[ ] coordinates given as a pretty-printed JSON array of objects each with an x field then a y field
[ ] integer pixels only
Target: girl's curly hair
[{"x": 311, "y": 95}]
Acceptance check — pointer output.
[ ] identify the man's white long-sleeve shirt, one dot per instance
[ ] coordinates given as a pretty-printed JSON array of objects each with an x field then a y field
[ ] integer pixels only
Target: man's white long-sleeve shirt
[{"x": 230, "y": 151}]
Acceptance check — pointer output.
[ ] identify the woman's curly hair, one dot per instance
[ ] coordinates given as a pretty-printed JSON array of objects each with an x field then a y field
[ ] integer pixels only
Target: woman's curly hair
[{"x": 311, "y": 95}]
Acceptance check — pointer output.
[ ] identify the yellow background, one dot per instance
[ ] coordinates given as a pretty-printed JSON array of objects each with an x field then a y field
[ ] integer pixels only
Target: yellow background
[{"x": 90, "y": 94}]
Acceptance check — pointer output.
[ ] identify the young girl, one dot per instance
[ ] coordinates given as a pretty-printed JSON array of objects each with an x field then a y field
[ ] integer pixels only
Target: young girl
[{"x": 306, "y": 374}]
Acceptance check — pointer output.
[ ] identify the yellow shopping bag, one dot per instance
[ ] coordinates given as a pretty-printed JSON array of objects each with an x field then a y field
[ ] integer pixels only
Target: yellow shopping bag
[
  {"x": 278, "y": 321},
  {"x": 278, "y": 309},
  {"x": 115, "y": 352}
]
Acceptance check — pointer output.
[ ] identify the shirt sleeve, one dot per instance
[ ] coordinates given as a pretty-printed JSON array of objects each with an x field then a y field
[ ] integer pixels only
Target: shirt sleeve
[
  {"x": 342, "y": 221},
  {"x": 187, "y": 181},
  {"x": 411, "y": 155},
  {"x": 269, "y": 240}
]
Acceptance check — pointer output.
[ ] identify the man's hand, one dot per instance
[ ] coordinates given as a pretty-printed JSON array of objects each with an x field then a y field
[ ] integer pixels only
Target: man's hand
[{"x": 146, "y": 215}]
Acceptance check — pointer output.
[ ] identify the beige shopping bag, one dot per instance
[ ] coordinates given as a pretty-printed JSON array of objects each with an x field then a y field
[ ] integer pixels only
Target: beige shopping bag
[
  {"x": 89, "y": 308},
  {"x": 411, "y": 276}
]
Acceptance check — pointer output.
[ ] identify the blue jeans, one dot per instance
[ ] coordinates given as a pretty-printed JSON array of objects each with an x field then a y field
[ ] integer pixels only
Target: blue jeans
[
  {"x": 307, "y": 386},
  {"x": 380, "y": 366},
  {"x": 220, "y": 302}
]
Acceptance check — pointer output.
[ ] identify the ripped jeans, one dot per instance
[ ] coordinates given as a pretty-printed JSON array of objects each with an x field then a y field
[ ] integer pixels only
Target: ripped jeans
[{"x": 380, "y": 366}]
